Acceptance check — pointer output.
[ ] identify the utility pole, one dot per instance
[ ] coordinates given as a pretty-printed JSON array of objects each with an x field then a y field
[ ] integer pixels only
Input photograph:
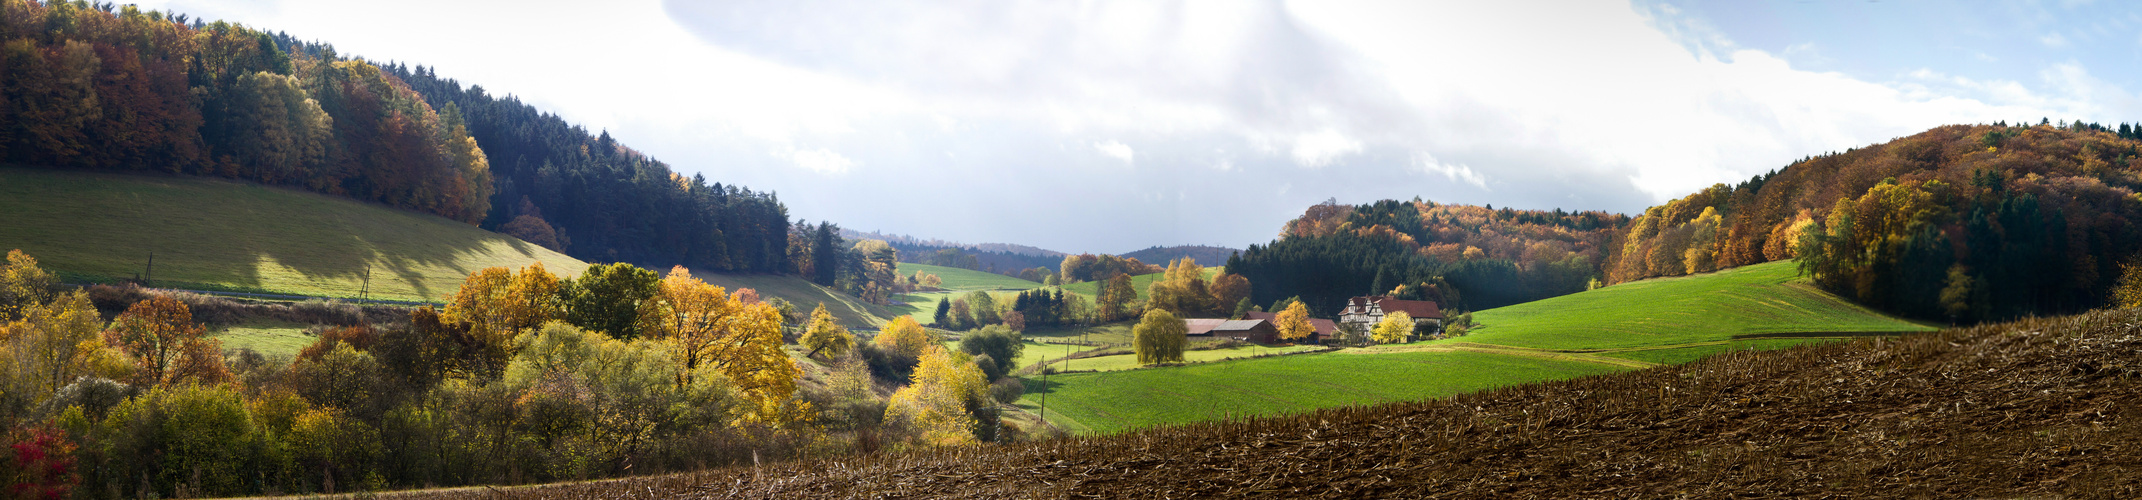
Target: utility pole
[
  {"x": 364, "y": 293},
  {"x": 149, "y": 276}
]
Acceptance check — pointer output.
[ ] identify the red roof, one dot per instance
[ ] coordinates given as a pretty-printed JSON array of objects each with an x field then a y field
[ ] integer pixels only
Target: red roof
[{"x": 1418, "y": 309}]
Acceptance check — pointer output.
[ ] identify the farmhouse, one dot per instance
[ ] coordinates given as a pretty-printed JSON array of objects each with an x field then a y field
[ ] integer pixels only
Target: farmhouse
[
  {"x": 1259, "y": 328},
  {"x": 1202, "y": 327},
  {"x": 1367, "y": 311}
]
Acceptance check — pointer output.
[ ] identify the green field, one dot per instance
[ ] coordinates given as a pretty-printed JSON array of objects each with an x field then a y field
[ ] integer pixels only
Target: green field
[
  {"x": 266, "y": 336},
  {"x": 1110, "y": 402},
  {"x": 227, "y": 235},
  {"x": 1626, "y": 326},
  {"x": 1122, "y": 362},
  {"x": 965, "y": 279},
  {"x": 1755, "y": 299}
]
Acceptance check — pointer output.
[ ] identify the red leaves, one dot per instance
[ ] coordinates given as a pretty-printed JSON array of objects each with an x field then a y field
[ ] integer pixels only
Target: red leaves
[{"x": 42, "y": 465}]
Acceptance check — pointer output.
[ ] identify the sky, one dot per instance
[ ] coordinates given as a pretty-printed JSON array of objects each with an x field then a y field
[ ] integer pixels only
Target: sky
[{"x": 1111, "y": 126}]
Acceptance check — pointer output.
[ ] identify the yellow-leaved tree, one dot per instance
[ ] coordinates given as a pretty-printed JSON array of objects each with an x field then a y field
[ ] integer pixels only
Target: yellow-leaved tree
[
  {"x": 704, "y": 325},
  {"x": 1159, "y": 337},
  {"x": 826, "y": 335},
  {"x": 23, "y": 284},
  {"x": 498, "y": 304},
  {"x": 1294, "y": 322},
  {"x": 940, "y": 398},
  {"x": 903, "y": 335},
  {"x": 1396, "y": 327}
]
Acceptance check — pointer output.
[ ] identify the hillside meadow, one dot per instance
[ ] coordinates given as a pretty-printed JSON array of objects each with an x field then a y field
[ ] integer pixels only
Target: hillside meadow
[
  {"x": 217, "y": 234},
  {"x": 1768, "y": 298}
]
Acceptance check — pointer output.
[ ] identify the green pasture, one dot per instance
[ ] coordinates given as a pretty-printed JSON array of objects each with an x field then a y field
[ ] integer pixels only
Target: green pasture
[
  {"x": 1109, "y": 402},
  {"x": 967, "y": 279},
  {"x": 1130, "y": 361},
  {"x": 266, "y": 336},
  {"x": 235, "y": 236},
  {"x": 1755, "y": 299},
  {"x": 1684, "y": 354}
]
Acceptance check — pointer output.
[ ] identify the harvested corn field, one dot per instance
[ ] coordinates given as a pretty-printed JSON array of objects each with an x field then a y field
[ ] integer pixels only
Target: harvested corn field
[{"x": 2036, "y": 408}]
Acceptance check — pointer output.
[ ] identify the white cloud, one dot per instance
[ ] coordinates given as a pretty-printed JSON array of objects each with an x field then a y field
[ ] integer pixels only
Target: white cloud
[
  {"x": 1113, "y": 149},
  {"x": 2053, "y": 40},
  {"x": 1322, "y": 147},
  {"x": 1452, "y": 171},
  {"x": 819, "y": 160},
  {"x": 1592, "y": 103}
]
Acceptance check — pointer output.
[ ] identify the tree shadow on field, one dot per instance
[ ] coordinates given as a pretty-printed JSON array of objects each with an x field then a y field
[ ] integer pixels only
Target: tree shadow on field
[{"x": 222, "y": 233}]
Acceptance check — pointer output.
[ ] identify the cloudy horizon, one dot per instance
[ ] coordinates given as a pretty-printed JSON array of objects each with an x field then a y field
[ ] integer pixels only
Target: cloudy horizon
[{"x": 1112, "y": 126}]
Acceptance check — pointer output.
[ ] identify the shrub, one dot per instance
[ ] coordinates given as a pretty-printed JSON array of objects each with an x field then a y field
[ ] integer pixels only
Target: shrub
[{"x": 1007, "y": 390}]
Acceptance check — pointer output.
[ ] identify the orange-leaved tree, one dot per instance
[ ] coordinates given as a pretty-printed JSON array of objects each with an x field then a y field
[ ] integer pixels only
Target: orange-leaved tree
[
  {"x": 167, "y": 346},
  {"x": 498, "y": 304}
]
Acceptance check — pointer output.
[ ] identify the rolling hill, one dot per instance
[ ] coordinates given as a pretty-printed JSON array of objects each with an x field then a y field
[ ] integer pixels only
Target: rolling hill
[
  {"x": 1761, "y": 299},
  {"x": 1617, "y": 328},
  {"x": 227, "y": 235}
]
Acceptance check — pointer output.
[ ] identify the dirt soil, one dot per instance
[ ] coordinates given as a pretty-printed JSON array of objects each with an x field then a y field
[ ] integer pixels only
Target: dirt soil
[{"x": 2042, "y": 408}]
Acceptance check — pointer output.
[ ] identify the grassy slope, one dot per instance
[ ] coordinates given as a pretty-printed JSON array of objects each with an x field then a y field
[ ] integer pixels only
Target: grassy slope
[
  {"x": 218, "y": 234},
  {"x": 266, "y": 336},
  {"x": 964, "y": 279},
  {"x": 1661, "y": 321},
  {"x": 1761, "y": 298},
  {"x": 1115, "y": 401},
  {"x": 851, "y": 313}
]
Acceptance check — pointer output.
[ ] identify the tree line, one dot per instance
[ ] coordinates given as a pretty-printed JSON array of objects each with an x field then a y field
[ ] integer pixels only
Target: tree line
[
  {"x": 522, "y": 377},
  {"x": 119, "y": 88},
  {"x": 1461, "y": 256},
  {"x": 1959, "y": 223},
  {"x": 98, "y": 86}
]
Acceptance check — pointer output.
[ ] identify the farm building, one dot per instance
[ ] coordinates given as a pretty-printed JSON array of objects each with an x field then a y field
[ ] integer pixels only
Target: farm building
[
  {"x": 1367, "y": 311},
  {"x": 1324, "y": 328},
  {"x": 1202, "y": 327}
]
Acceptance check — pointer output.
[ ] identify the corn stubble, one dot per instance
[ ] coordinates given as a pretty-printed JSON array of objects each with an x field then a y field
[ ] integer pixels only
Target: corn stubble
[{"x": 2034, "y": 408}]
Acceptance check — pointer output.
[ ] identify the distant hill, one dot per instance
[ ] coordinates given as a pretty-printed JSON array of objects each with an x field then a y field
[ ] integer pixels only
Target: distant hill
[
  {"x": 229, "y": 235},
  {"x": 1209, "y": 256},
  {"x": 1000, "y": 258}
]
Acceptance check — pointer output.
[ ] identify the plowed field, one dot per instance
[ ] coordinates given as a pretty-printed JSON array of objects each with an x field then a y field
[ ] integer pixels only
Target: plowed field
[{"x": 2037, "y": 408}]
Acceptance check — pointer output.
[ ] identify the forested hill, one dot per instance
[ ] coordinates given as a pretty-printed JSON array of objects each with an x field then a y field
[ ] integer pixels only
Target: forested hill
[
  {"x": 1961, "y": 222},
  {"x": 1958, "y": 223},
  {"x": 122, "y": 89},
  {"x": 117, "y": 88},
  {"x": 1464, "y": 256},
  {"x": 605, "y": 201},
  {"x": 1207, "y": 255}
]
